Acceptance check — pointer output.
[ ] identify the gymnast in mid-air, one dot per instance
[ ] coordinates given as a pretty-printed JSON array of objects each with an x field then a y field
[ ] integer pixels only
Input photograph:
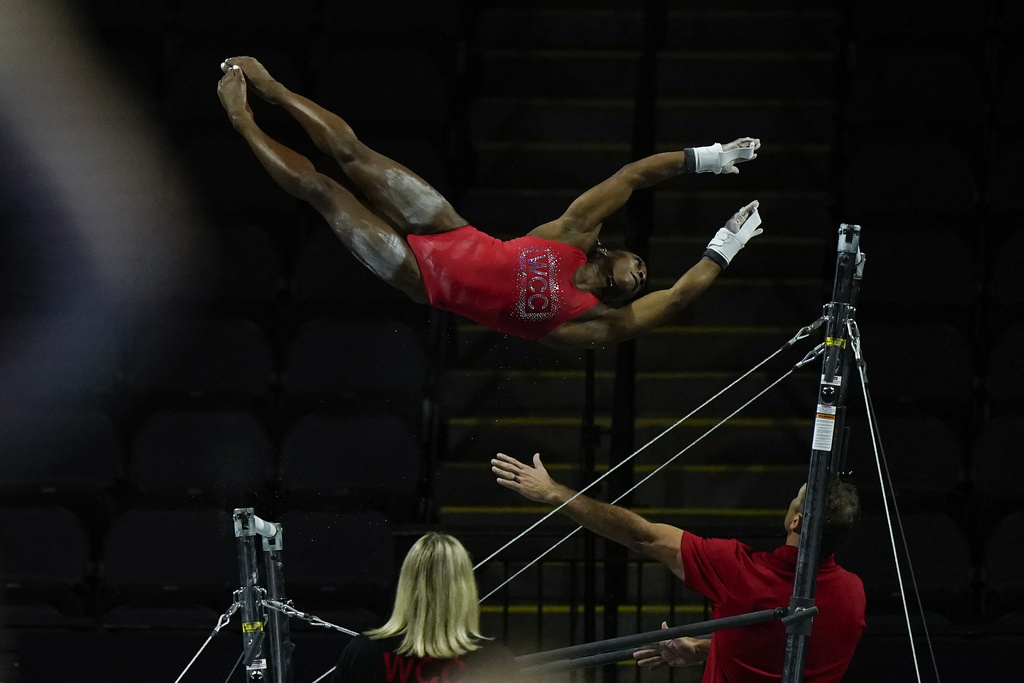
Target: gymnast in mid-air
[{"x": 556, "y": 285}]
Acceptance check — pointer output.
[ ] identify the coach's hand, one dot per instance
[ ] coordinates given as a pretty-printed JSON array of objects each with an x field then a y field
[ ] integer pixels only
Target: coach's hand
[
  {"x": 675, "y": 652},
  {"x": 533, "y": 483}
]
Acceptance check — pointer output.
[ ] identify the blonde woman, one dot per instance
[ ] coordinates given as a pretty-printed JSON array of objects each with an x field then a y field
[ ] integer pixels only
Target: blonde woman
[{"x": 433, "y": 633}]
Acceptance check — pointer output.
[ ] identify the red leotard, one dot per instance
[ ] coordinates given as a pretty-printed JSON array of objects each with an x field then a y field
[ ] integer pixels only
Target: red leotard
[{"x": 522, "y": 287}]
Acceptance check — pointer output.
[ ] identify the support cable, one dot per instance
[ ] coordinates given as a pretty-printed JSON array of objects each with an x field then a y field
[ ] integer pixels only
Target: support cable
[
  {"x": 238, "y": 661},
  {"x": 814, "y": 353},
  {"x": 801, "y": 334},
  {"x": 329, "y": 672},
  {"x": 223, "y": 621},
  {"x": 309, "y": 618},
  {"x": 885, "y": 480}
]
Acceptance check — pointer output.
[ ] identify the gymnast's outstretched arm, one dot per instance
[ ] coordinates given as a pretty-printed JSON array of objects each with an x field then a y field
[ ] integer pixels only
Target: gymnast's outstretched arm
[
  {"x": 660, "y": 542},
  {"x": 612, "y": 325},
  {"x": 582, "y": 221},
  {"x": 615, "y": 325}
]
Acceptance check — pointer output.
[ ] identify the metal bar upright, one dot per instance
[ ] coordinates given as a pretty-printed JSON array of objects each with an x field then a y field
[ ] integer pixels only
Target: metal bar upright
[
  {"x": 825, "y": 446},
  {"x": 281, "y": 645},
  {"x": 245, "y": 522}
]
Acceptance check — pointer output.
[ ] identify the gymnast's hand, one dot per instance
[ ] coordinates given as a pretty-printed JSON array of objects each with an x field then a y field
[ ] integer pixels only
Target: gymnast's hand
[
  {"x": 719, "y": 158},
  {"x": 675, "y": 652},
  {"x": 533, "y": 483},
  {"x": 737, "y": 152}
]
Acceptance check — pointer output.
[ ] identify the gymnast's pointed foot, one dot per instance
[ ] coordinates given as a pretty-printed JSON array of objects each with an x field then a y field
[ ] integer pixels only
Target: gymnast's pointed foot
[
  {"x": 231, "y": 91},
  {"x": 265, "y": 85}
]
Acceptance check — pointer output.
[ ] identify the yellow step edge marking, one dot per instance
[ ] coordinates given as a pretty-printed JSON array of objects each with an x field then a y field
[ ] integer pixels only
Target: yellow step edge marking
[
  {"x": 696, "y": 469},
  {"x": 691, "y": 330},
  {"x": 538, "y": 510},
  {"x": 727, "y": 469},
  {"x": 603, "y": 374},
  {"x": 542, "y": 421},
  {"x": 566, "y": 609},
  {"x": 720, "y": 329}
]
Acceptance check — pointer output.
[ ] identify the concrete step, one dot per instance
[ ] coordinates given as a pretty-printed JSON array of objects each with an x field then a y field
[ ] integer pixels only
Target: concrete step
[
  {"x": 527, "y": 629},
  {"x": 546, "y": 27},
  {"x": 589, "y": 27},
  {"x": 673, "y": 5},
  {"x": 754, "y": 301},
  {"x": 522, "y": 119},
  {"x": 725, "y": 486},
  {"x": 680, "y": 122},
  {"x": 567, "y": 4},
  {"x": 704, "y": 6},
  {"x": 670, "y": 348},
  {"x": 536, "y": 165},
  {"x": 791, "y": 26},
  {"x": 688, "y": 207},
  {"x": 685, "y": 122},
  {"x": 715, "y": 522},
  {"x": 741, "y": 440},
  {"x": 558, "y": 583},
  {"x": 558, "y": 73},
  {"x": 613, "y": 73},
  {"x": 755, "y": 73},
  {"x": 482, "y": 391},
  {"x": 801, "y": 260},
  {"x": 477, "y": 346}
]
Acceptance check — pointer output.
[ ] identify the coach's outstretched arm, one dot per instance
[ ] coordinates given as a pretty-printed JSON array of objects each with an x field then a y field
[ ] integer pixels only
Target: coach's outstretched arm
[{"x": 657, "y": 541}]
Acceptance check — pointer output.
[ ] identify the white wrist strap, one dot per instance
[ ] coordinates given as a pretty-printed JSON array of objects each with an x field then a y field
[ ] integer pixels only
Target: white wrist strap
[
  {"x": 726, "y": 243},
  {"x": 712, "y": 159}
]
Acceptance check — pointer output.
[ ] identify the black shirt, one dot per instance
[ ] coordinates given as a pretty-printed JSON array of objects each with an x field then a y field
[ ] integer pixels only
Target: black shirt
[{"x": 375, "y": 661}]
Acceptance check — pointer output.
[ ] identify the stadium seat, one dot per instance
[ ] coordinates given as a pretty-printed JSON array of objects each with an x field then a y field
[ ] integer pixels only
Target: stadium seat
[{"x": 337, "y": 461}]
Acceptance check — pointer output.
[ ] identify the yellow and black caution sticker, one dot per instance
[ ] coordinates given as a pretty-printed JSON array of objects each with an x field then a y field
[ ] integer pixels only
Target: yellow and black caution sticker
[
  {"x": 824, "y": 428},
  {"x": 252, "y": 626},
  {"x": 835, "y": 341}
]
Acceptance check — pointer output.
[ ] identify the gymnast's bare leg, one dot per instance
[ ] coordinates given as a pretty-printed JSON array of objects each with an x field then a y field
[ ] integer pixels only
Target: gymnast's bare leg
[
  {"x": 378, "y": 245},
  {"x": 409, "y": 203}
]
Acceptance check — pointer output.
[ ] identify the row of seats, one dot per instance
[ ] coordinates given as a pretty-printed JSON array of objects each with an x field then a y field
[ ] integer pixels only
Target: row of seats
[
  {"x": 177, "y": 450},
  {"x": 911, "y": 265},
  {"x": 876, "y": 64},
  {"x": 363, "y": 362},
  {"x": 324, "y": 460},
  {"x": 874, "y": 20},
  {"x": 154, "y": 560},
  {"x": 938, "y": 560},
  {"x": 384, "y": 360},
  {"x": 915, "y": 273},
  {"x": 950, "y": 181},
  {"x": 159, "y": 559},
  {"x": 155, "y": 17}
]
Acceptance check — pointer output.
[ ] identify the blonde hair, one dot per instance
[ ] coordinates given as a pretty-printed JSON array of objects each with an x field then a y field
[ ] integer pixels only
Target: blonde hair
[{"x": 435, "y": 602}]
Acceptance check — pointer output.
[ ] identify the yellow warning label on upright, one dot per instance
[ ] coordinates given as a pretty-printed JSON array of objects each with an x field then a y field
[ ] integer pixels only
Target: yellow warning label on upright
[
  {"x": 835, "y": 341},
  {"x": 250, "y": 626},
  {"x": 824, "y": 427}
]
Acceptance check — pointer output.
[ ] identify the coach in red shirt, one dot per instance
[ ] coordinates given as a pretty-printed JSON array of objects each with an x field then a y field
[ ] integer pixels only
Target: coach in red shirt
[{"x": 734, "y": 577}]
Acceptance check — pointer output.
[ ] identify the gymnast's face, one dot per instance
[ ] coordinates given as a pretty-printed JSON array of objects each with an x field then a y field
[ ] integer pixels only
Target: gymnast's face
[{"x": 627, "y": 276}]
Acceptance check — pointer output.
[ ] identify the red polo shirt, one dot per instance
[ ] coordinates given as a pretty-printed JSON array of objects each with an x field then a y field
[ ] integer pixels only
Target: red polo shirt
[{"x": 737, "y": 579}]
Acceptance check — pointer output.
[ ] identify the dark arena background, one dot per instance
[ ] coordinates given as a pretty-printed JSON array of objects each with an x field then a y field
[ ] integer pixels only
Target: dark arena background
[{"x": 180, "y": 338}]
